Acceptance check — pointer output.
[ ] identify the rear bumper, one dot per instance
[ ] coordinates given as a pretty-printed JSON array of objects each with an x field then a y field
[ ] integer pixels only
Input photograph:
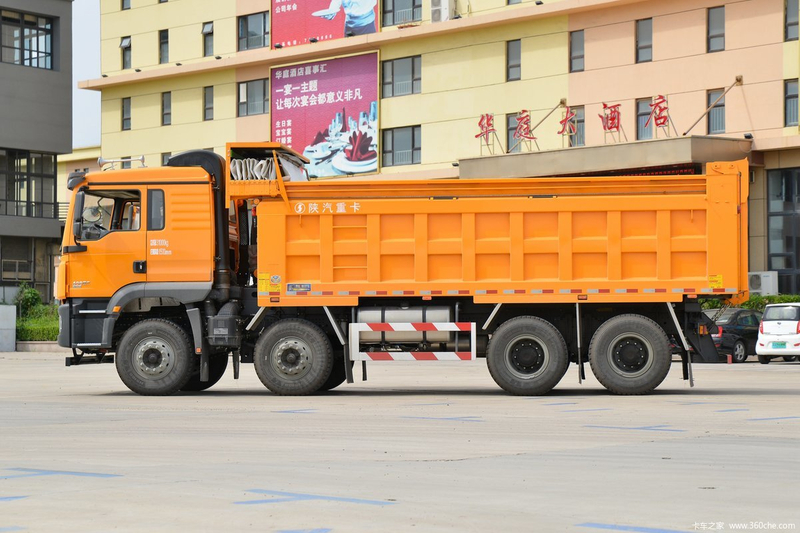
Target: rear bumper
[{"x": 766, "y": 345}]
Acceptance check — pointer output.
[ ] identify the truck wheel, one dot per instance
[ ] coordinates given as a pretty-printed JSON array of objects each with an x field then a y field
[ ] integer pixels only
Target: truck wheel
[
  {"x": 337, "y": 376},
  {"x": 154, "y": 358},
  {"x": 629, "y": 354},
  {"x": 293, "y": 357},
  {"x": 527, "y": 356},
  {"x": 739, "y": 352},
  {"x": 217, "y": 364}
]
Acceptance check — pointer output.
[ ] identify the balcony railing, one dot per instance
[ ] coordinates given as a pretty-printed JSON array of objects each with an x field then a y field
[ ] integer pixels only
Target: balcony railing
[{"x": 14, "y": 208}]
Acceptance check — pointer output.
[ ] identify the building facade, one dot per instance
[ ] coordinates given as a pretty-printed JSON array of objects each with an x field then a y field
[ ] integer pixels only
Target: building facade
[
  {"x": 460, "y": 80},
  {"x": 36, "y": 119}
]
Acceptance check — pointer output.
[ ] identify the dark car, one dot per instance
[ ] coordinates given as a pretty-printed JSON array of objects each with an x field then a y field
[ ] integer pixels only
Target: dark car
[{"x": 737, "y": 332}]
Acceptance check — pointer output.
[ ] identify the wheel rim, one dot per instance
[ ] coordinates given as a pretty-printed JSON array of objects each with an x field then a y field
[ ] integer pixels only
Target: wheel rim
[
  {"x": 526, "y": 356},
  {"x": 630, "y": 355},
  {"x": 154, "y": 358},
  {"x": 738, "y": 351},
  {"x": 291, "y": 357}
]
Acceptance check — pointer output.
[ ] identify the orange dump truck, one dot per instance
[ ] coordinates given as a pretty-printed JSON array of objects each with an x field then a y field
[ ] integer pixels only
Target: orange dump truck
[{"x": 171, "y": 272}]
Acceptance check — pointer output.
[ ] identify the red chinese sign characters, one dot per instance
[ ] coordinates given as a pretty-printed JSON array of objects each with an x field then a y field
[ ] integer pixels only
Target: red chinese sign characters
[
  {"x": 568, "y": 126},
  {"x": 523, "y": 130},
  {"x": 611, "y": 117},
  {"x": 659, "y": 112},
  {"x": 486, "y": 124}
]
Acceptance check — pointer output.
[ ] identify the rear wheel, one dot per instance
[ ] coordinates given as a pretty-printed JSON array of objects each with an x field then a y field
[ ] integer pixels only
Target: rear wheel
[
  {"x": 338, "y": 375},
  {"x": 763, "y": 359},
  {"x": 739, "y": 352},
  {"x": 629, "y": 354},
  {"x": 789, "y": 358},
  {"x": 154, "y": 358},
  {"x": 293, "y": 357},
  {"x": 527, "y": 356}
]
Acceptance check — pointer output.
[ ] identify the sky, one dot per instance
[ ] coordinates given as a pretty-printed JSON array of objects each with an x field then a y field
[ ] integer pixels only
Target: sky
[{"x": 85, "y": 66}]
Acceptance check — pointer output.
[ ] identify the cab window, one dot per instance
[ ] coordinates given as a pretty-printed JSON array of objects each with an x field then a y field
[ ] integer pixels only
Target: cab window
[{"x": 106, "y": 212}]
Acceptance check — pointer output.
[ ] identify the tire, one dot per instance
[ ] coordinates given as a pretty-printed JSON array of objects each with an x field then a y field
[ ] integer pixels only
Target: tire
[
  {"x": 629, "y": 354},
  {"x": 763, "y": 359},
  {"x": 217, "y": 364},
  {"x": 739, "y": 354},
  {"x": 293, "y": 357},
  {"x": 337, "y": 376},
  {"x": 527, "y": 356},
  {"x": 154, "y": 358},
  {"x": 789, "y": 358}
]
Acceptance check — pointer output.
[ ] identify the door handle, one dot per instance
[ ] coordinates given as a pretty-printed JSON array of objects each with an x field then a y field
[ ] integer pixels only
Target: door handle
[{"x": 140, "y": 267}]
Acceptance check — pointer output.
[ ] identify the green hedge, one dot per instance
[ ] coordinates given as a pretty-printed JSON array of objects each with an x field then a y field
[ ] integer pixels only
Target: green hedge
[
  {"x": 44, "y": 328},
  {"x": 756, "y": 301}
]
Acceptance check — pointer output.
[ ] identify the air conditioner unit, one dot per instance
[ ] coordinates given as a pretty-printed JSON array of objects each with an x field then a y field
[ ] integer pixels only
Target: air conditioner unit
[
  {"x": 763, "y": 283},
  {"x": 442, "y": 10}
]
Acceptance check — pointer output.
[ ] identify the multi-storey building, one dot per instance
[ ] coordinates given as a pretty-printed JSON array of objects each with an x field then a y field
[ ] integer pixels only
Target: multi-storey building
[
  {"x": 600, "y": 84},
  {"x": 35, "y": 126}
]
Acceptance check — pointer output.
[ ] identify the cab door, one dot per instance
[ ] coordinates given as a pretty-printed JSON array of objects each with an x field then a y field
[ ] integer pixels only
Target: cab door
[
  {"x": 180, "y": 233},
  {"x": 113, "y": 236}
]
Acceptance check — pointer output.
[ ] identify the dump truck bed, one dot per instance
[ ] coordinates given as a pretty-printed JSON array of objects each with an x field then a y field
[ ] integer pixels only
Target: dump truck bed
[{"x": 542, "y": 240}]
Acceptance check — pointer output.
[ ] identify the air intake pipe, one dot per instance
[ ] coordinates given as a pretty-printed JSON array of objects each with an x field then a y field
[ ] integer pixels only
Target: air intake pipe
[{"x": 214, "y": 164}]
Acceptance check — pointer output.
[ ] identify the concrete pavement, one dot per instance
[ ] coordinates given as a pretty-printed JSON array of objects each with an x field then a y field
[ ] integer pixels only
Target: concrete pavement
[{"x": 427, "y": 447}]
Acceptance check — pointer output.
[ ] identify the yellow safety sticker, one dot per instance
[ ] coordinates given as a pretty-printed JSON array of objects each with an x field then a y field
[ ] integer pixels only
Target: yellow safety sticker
[{"x": 715, "y": 281}]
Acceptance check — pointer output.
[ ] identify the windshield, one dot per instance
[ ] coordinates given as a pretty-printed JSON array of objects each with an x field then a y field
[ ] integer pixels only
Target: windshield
[{"x": 782, "y": 312}]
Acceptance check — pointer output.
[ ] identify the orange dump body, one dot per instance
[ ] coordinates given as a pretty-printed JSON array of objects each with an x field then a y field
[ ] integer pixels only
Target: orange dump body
[{"x": 543, "y": 240}]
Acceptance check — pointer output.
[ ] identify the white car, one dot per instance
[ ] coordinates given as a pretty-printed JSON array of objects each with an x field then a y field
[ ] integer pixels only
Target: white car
[{"x": 779, "y": 332}]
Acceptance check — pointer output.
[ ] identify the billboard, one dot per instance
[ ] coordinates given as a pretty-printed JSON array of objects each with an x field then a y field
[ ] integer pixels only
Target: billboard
[
  {"x": 328, "y": 111},
  {"x": 296, "y": 22}
]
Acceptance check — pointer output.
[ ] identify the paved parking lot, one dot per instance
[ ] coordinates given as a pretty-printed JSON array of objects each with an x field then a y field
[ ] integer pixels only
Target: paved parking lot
[{"x": 419, "y": 447}]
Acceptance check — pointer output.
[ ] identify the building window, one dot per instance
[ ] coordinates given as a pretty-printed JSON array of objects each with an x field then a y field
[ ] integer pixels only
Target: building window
[
  {"x": 28, "y": 184},
  {"x": 166, "y": 109},
  {"x": 783, "y": 208},
  {"x": 125, "y": 46},
  {"x": 208, "y": 103},
  {"x": 163, "y": 46},
  {"x": 401, "y": 11},
  {"x": 254, "y": 31},
  {"x": 17, "y": 258},
  {"x": 402, "y": 146},
  {"x": 790, "y": 102},
  {"x": 402, "y": 76},
  {"x": 716, "y": 117},
  {"x": 511, "y": 2},
  {"x": 790, "y": 26},
  {"x": 579, "y": 139},
  {"x": 513, "y": 60},
  {"x": 253, "y": 98},
  {"x": 644, "y": 40},
  {"x": 644, "y": 131},
  {"x": 26, "y": 39},
  {"x": 165, "y": 158},
  {"x": 208, "y": 39},
  {"x": 126, "y": 114},
  {"x": 126, "y": 4},
  {"x": 576, "y": 51},
  {"x": 512, "y": 145},
  {"x": 126, "y": 163},
  {"x": 716, "y": 29}
]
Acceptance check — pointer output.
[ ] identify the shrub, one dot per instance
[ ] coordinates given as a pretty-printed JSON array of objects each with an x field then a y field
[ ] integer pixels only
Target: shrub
[
  {"x": 27, "y": 299},
  {"x": 37, "y": 329},
  {"x": 756, "y": 301}
]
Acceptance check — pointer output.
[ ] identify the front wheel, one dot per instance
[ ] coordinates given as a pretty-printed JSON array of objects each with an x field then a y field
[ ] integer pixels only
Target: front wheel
[
  {"x": 154, "y": 358},
  {"x": 293, "y": 357},
  {"x": 527, "y": 356},
  {"x": 739, "y": 352},
  {"x": 629, "y": 354}
]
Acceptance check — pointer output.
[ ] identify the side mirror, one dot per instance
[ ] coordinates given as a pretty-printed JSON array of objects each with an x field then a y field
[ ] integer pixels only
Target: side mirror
[{"x": 77, "y": 215}]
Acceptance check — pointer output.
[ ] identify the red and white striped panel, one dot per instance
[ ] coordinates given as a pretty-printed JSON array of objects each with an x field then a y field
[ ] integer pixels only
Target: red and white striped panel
[
  {"x": 358, "y": 327},
  {"x": 413, "y": 356}
]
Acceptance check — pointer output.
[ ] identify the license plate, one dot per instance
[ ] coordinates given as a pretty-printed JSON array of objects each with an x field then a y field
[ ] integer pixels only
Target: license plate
[{"x": 778, "y": 345}]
